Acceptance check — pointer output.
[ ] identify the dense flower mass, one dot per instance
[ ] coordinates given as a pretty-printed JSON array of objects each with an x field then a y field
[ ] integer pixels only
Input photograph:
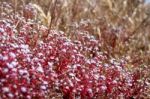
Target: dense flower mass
[
  {"x": 37, "y": 62},
  {"x": 32, "y": 65}
]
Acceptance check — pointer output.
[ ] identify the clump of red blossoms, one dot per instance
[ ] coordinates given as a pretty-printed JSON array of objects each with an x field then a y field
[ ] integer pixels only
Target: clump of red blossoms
[{"x": 31, "y": 65}]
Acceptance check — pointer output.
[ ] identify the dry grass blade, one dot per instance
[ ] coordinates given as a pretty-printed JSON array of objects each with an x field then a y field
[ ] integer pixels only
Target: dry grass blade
[{"x": 44, "y": 18}]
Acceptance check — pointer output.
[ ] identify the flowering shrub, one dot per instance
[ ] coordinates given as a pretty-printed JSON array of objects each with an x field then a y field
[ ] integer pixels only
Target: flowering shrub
[{"x": 33, "y": 62}]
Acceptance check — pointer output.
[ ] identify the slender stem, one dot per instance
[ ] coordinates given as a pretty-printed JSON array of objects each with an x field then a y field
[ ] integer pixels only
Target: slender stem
[
  {"x": 52, "y": 17},
  {"x": 141, "y": 24},
  {"x": 15, "y": 8}
]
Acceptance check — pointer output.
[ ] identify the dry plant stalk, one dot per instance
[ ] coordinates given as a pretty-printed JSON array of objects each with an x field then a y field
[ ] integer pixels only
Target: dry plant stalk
[{"x": 44, "y": 18}]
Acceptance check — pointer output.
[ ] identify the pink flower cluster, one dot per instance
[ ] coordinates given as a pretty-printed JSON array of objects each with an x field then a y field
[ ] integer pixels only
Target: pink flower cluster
[{"x": 31, "y": 66}]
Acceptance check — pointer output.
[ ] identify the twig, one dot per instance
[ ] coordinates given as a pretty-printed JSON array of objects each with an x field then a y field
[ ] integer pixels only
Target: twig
[
  {"x": 141, "y": 24},
  {"x": 50, "y": 25}
]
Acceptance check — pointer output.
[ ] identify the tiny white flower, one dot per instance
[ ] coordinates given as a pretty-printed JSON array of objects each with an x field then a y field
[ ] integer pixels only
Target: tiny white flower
[
  {"x": 40, "y": 69},
  {"x": 5, "y": 89},
  {"x": 12, "y": 54},
  {"x": 10, "y": 95},
  {"x": 5, "y": 58},
  {"x": 24, "y": 89},
  {"x": 103, "y": 87},
  {"x": 90, "y": 90},
  {"x": 71, "y": 74},
  {"x": 43, "y": 87}
]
